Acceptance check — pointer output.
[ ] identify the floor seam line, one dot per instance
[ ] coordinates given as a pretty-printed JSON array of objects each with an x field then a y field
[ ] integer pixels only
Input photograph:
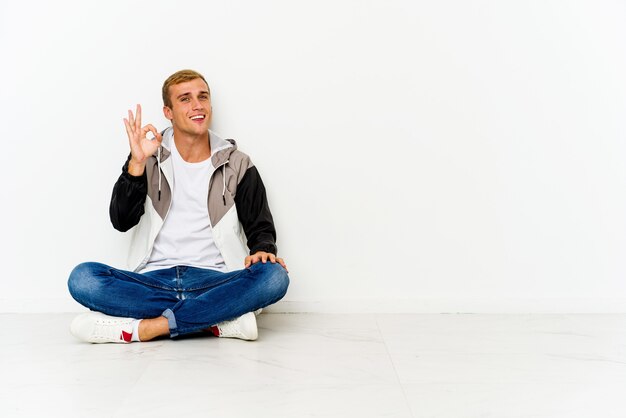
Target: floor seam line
[{"x": 395, "y": 371}]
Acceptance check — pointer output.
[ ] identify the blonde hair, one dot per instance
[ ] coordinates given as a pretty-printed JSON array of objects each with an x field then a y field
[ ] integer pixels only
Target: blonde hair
[{"x": 178, "y": 77}]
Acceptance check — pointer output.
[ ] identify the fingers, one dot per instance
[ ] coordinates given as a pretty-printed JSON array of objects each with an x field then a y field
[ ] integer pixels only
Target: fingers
[
  {"x": 133, "y": 125},
  {"x": 282, "y": 263},
  {"x": 255, "y": 258},
  {"x": 251, "y": 259},
  {"x": 131, "y": 119},
  {"x": 129, "y": 131},
  {"x": 138, "y": 119},
  {"x": 263, "y": 257},
  {"x": 149, "y": 128},
  {"x": 135, "y": 122},
  {"x": 130, "y": 126}
]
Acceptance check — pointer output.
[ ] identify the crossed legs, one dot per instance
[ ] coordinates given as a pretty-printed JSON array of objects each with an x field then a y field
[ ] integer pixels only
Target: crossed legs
[{"x": 179, "y": 300}]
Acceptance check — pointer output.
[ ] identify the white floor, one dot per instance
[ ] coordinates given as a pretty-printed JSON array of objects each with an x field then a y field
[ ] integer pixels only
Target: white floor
[{"x": 314, "y": 365}]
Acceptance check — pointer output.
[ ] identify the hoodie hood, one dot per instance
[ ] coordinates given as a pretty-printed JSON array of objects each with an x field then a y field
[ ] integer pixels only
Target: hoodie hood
[{"x": 220, "y": 148}]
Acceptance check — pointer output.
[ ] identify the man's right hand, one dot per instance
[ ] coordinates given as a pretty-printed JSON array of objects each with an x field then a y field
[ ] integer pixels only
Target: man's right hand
[{"x": 140, "y": 147}]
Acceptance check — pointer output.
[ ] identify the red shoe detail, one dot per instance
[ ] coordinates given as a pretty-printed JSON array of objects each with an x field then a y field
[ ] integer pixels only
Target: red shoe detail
[
  {"x": 215, "y": 330},
  {"x": 127, "y": 336}
]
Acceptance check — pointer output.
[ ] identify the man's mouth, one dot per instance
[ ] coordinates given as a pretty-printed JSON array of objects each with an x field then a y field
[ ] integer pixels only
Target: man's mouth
[{"x": 199, "y": 118}]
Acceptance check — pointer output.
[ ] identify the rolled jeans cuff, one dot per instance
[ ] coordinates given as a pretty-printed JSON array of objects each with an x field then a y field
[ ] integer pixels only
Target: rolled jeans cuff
[{"x": 171, "y": 322}]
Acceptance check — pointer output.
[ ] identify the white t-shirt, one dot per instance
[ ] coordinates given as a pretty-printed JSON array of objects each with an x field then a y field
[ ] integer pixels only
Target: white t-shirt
[{"x": 186, "y": 238}]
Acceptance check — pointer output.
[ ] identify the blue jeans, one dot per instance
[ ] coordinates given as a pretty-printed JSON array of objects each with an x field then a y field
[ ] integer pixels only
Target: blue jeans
[{"x": 192, "y": 299}]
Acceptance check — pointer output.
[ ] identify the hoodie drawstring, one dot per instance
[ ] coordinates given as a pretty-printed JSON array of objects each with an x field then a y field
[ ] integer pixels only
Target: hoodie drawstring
[
  {"x": 159, "y": 168},
  {"x": 224, "y": 180},
  {"x": 223, "y": 176}
]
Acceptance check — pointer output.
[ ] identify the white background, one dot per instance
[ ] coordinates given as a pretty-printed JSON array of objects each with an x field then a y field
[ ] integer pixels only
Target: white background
[{"x": 419, "y": 156}]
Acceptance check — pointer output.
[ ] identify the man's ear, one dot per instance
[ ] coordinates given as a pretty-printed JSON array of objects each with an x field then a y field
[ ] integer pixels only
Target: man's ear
[{"x": 167, "y": 112}]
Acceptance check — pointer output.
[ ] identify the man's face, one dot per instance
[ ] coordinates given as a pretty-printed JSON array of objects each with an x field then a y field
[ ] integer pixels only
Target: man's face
[{"x": 191, "y": 107}]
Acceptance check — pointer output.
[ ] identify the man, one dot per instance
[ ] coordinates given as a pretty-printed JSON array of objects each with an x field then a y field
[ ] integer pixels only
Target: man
[{"x": 197, "y": 204}]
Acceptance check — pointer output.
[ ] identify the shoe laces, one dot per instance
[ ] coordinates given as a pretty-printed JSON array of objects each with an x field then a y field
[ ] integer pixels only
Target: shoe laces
[{"x": 108, "y": 329}]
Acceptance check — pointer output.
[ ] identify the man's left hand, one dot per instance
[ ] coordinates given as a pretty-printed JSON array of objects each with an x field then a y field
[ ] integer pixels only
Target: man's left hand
[{"x": 263, "y": 257}]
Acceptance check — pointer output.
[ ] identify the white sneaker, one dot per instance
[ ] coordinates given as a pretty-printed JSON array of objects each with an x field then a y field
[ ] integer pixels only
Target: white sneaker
[
  {"x": 96, "y": 327},
  {"x": 243, "y": 328}
]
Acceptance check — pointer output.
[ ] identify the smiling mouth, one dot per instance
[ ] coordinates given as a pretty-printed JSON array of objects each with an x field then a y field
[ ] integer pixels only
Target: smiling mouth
[{"x": 198, "y": 118}]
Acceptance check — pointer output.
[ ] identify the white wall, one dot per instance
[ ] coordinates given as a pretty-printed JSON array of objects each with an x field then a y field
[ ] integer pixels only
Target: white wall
[{"x": 420, "y": 156}]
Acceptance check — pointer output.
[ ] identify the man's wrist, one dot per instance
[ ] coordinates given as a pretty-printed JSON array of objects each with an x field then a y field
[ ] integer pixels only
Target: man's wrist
[{"x": 135, "y": 168}]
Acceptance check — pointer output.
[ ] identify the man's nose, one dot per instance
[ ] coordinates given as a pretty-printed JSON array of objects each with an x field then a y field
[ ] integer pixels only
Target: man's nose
[{"x": 195, "y": 103}]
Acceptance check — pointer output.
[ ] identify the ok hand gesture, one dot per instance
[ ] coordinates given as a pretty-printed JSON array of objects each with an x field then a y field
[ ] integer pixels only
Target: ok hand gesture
[{"x": 140, "y": 147}]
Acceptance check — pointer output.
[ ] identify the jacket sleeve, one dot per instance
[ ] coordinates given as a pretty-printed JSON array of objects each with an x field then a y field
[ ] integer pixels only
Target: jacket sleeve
[
  {"x": 128, "y": 199},
  {"x": 254, "y": 213}
]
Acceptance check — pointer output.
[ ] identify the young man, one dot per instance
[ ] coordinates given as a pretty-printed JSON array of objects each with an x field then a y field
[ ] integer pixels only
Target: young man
[{"x": 197, "y": 205}]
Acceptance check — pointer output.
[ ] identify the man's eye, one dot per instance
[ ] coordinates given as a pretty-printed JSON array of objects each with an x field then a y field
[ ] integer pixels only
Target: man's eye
[
  {"x": 203, "y": 97},
  {"x": 184, "y": 99}
]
